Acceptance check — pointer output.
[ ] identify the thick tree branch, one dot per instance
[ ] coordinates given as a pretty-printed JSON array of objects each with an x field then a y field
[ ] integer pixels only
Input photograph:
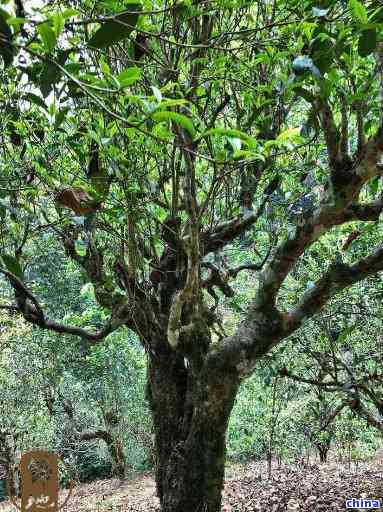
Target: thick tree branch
[
  {"x": 265, "y": 325},
  {"x": 331, "y": 133},
  {"x": 189, "y": 295},
  {"x": 97, "y": 434},
  {"x": 226, "y": 232},
  {"x": 9, "y": 307},
  {"x": 338, "y": 277},
  {"x": 364, "y": 212},
  {"x": 335, "y": 211},
  {"x": 29, "y": 307},
  {"x": 380, "y": 71},
  {"x": 331, "y": 417},
  {"x": 356, "y": 405},
  {"x": 332, "y": 385}
]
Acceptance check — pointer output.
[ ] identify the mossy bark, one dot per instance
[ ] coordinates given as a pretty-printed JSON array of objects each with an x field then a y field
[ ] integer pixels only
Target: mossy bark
[{"x": 190, "y": 415}]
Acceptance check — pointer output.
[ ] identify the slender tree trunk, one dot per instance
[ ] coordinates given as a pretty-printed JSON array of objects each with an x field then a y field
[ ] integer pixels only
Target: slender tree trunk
[
  {"x": 272, "y": 427},
  {"x": 323, "y": 449},
  {"x": 190, "y": 415},
  {"x": 116, "y": 451},
  {"x": 115, "y": 448}
]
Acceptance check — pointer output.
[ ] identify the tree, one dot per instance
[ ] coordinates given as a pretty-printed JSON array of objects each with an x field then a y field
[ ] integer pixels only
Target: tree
[
  {"x": 171, "y": 132},
  {"x": 349, "y": 369}
]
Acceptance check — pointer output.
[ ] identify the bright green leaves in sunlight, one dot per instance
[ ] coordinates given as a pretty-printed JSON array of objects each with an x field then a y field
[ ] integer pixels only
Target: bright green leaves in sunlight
[
  {"x": 116, "y": 29},
  {"x": 235, "y": 134},
  {"x": 285, "y": 139},
  {"x": 129, "y": 76},
  {"x": 358, "y": 10},
  {"x": 368, "y": 38},
  {"x": 175, "y": 117},
  {"x": 81, "y": 247},
  {"x": 48, "y": 37},
  {"x": 50, "y": 30}
]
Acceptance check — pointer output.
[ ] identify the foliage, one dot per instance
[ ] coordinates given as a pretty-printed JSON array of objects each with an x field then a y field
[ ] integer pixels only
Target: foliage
[{"x": 204, "y": 180}]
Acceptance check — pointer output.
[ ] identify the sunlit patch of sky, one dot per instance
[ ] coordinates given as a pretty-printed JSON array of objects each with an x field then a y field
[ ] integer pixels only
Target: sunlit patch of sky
[{"x": 32, "y": 8}]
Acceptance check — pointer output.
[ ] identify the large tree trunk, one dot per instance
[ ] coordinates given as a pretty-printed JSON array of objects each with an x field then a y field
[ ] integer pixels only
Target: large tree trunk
[{"x": 190, "y": 415}]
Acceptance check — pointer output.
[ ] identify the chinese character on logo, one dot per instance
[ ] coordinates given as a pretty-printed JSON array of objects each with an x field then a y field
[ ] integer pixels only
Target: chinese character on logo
[{"x": 39, "y": 482}]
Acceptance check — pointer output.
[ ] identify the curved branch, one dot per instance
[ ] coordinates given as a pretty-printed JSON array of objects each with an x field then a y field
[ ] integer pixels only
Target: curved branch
[
  {"x": 331, "y": 133},
  {"x": 265, "y": 326},
  {"x": 29, "y": 307},
  {"x": 226, "y": 232},
  {"x": 362, "y": 411},
  {"x": 338, "y": 277}
]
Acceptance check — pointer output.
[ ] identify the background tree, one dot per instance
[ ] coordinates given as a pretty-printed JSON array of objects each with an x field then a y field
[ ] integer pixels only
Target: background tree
[{"x": 161, "y": 134}]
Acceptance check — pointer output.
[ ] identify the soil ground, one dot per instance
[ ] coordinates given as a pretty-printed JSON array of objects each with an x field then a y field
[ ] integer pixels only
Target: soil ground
[{"x": 315, "y": 488}]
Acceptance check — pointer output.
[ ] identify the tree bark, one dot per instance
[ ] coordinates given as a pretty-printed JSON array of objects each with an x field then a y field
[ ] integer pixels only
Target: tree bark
[
  {"x": 323, "y": 450},
  {"x": 190, "y": 415}
]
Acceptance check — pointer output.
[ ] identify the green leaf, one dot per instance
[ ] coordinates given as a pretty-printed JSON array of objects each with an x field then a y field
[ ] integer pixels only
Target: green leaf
[
  {"x": 229, "y": 132},
  {"x": 322, "y": 53},
  {"x": 4, "y": 27},
  {"x": 51, "y": 74},
  {"x": 289, "y": 134},
  {"x": 69, "y": 13},
  {"x": 16, "y": 21},
  {"x": 47, "y": 35},
  {"x": 374, "y": 185},
  {"x": 13, "y": 265},
  {"x": 377, "y": 15},
  {"x": 358, "y": 10},
  {"x": 173, "y": 103},
  {"x": 367, "y": 42},
  {"x": 129, "y": 76},
  {"x": 33, "y": 98},
  {"x": 74, "y": 91},
  {"x": 59, "y": 117},
  {"x": 58, "y": 23},
  {"x": 242, "y": 154},
  {"x": 345, "y": 333},
  {"x": 184, "y": 121},
  {"x": 115, "y": 30},
  {"x": 81, "y": 247},
  {"x": 157, "y": 94}
]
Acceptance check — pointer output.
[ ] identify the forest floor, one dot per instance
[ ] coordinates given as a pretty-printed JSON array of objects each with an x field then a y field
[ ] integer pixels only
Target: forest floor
[{"x": 323, "y": 487}]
